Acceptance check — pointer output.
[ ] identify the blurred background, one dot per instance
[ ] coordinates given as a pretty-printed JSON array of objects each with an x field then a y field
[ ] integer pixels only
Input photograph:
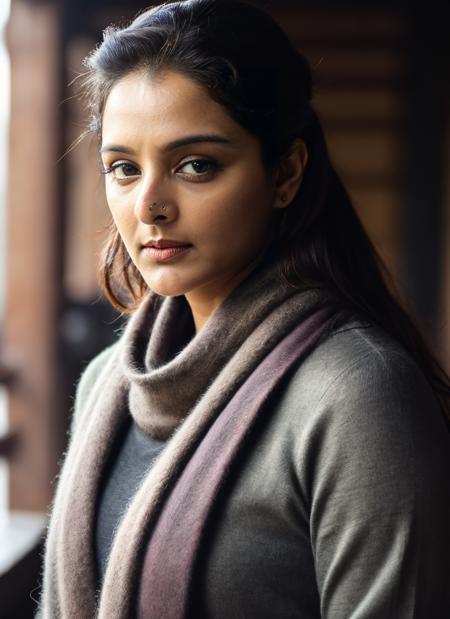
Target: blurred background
[{"x": 382, "y": 90}]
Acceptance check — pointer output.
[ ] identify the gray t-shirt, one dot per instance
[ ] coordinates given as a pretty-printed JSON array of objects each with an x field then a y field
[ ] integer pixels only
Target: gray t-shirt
[{"x": 131, "y": 459}]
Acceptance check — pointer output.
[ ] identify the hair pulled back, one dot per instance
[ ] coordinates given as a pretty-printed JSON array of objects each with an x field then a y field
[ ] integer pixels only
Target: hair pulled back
[{"x": 246, "y": 63}]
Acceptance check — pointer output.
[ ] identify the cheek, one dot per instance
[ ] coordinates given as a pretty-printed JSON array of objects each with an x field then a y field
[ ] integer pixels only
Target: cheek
[
  {"x": 238, "y": 211},
  {"x": 250, "y": 197},
  {"x": 122, "y": 214}
]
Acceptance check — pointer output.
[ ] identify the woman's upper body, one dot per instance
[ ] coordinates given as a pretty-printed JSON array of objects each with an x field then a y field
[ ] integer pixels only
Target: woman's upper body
[
  {"x": 216, "y": 167},
  {"x": 338, "y": 508}
]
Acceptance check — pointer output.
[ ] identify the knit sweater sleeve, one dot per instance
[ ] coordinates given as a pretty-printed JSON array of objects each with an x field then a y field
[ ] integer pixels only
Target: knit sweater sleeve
[{"x": 374, "y": 462}]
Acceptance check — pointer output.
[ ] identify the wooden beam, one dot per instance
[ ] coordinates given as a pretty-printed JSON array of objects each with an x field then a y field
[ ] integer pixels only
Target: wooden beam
[{"x": 33, "y": 252}]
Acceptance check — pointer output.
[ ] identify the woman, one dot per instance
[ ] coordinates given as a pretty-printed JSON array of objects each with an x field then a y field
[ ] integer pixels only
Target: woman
[{"x": 267, "y": 437}]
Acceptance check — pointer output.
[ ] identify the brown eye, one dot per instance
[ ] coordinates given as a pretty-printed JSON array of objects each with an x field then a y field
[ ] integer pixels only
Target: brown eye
[
  {"x": 200, "y": 168},
  {"x": 121, "y": 170},
  {"x": 124, "y": 170}
]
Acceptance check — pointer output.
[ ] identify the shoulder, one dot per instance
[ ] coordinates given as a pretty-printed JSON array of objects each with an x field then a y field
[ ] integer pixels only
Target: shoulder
[
  {"x": 88, "y": 379},
  {"x": 360, "y": 361},
  {"x": 92, "y": 371},
  {"x": 356, "y": 349},
  {"x": 360, "y": 396}
]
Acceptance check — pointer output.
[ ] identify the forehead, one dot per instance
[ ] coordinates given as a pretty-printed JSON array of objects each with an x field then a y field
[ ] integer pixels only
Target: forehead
[{"x": 163, "y": 106}]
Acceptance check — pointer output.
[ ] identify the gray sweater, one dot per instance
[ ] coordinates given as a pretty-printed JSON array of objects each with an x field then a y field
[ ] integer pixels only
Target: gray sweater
[{"x": 341, "y": 507}]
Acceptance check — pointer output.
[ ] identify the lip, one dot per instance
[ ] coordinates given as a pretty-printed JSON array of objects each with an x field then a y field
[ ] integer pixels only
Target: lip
[
  {"x": 163, "y": 250},
  {"x": 165, "y": 243}
]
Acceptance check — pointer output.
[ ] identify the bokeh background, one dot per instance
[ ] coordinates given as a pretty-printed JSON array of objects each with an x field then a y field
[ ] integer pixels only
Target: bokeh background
[{"x": 382, "y": 90}]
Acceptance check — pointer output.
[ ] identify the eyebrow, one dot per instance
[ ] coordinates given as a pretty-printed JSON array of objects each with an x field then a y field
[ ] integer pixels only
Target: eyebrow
[{"x": 190, "y": 139}]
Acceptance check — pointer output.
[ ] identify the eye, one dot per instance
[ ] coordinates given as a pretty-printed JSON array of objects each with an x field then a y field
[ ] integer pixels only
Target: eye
[
  {"x": 121, "y": 170},
  {"x": 202, "y": 168}
]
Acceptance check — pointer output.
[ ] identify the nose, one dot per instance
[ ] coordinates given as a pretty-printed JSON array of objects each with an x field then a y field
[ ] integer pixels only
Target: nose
[{"x": 152, "y": 208}]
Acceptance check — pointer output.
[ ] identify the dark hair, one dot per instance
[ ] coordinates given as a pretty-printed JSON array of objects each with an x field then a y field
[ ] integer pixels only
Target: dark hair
[{"x": 245, "y": 61}]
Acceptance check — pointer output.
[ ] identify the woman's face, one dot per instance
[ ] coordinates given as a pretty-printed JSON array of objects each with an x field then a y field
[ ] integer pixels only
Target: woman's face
[{"x": 218, "y": 198}]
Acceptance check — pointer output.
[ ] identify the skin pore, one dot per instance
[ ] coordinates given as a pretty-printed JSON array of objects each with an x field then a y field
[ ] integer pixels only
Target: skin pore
[{"x": 165, "y": 141}]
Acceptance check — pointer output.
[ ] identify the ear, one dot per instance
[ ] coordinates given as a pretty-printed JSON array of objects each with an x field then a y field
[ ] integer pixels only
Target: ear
[{"x": 290, "y": 174}]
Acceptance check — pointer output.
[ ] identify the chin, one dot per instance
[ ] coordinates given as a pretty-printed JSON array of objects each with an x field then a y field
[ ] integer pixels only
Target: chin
[
  {"x": 174, "y": 286},
  {"x": 169, "y": 286},
  {"x": 167, "y": 291}
]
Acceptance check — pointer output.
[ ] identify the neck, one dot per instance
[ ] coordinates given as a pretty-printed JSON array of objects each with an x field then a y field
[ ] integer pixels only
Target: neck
[{"x": 204, "y": 301}]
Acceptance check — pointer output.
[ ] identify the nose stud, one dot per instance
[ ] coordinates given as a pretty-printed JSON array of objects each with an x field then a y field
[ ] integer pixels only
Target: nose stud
[{"x": 163, "y": 206}]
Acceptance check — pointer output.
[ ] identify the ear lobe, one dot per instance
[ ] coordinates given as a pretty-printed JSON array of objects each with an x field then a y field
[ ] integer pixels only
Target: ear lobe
[{"x": 290, "y": 173}]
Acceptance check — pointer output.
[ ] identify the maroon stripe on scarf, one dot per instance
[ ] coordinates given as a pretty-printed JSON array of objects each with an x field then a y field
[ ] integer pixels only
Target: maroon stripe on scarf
[{"x": 167, "y": 573}]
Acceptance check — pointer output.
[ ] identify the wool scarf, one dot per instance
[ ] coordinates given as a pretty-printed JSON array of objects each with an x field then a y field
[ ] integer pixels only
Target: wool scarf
[{"x": 175, "y": 384}]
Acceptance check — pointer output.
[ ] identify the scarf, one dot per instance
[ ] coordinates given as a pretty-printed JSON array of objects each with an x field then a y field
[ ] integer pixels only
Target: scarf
[{"x": 175, "y": 385}]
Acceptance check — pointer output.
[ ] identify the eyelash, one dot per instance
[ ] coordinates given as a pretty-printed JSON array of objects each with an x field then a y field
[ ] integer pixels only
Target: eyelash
[{"x": 214, "y": 167}]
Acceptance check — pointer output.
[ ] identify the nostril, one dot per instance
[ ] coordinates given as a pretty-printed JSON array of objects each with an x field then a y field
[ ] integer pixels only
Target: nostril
[
  {"x": 159, "y": 218},
  {"x": 157, "y": 211}
]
